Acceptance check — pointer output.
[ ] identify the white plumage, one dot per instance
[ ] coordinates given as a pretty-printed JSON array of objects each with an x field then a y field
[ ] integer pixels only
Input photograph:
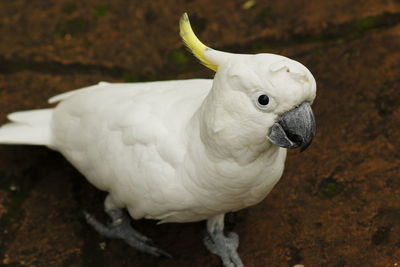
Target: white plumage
[
  {"x": 141, "y": 142},
  {"x": 176, "y": 151}
]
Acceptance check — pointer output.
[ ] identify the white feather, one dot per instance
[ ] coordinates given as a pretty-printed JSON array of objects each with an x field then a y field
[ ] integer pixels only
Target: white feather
[
  {"x": 27, "y": 127},
  {"x": 176, "y": 151}
]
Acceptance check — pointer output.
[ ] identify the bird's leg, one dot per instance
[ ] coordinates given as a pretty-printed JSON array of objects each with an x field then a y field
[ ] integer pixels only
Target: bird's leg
[
  {"x": 121, "y": 228},
  {"x": 223, "y": 246}
]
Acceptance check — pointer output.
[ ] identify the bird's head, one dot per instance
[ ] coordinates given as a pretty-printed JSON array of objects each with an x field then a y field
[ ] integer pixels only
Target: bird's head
[{"x": 268, "y": 94}]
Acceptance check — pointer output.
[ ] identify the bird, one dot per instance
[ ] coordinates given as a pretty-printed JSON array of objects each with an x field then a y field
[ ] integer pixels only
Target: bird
[{"x": 180, "y": 151}]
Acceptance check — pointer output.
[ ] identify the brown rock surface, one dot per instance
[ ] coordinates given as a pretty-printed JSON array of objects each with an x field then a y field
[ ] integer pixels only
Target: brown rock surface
[{"x": 338, "y": 203}]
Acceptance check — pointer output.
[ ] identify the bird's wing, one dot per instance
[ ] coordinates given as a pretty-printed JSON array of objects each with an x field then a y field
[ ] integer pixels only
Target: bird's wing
[
  {"x": 129, "y": 138},
  {"x": 63, "y": 96}
]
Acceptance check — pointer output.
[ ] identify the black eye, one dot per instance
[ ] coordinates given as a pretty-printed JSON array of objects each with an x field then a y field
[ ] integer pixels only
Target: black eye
[{"x": 263, "y": 100}]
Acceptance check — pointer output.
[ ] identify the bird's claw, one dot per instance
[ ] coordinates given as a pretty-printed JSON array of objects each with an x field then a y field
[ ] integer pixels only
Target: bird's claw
[
  {"x": 225, "y": 247},
  {"x": 120, "y": 228}
]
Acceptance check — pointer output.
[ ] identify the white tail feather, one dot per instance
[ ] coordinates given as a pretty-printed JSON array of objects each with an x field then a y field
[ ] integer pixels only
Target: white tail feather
[{"x": 30, "y": 127}]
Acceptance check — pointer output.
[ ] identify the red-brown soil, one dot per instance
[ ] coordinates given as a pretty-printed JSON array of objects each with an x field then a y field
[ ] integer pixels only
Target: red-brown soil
[{"x": 338, "y": 203}]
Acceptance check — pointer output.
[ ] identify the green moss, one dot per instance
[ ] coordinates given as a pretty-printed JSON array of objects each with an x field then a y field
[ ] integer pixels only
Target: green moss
[
  {"x": 87, "y": 44},
  {"x": 329, "y": 188},
  {"x": 265, "y": 13},
  {"x": 261, "y": 47},
  {"x": 130, "y": 78},
  {"x": 366, "y": 23},
  {"x": 350, "y": 30},
  {"x": 101, "y": 11},
  {"x": 179, "y": 57},
  {"x": 73, "y": 27},
  {"x": 340, "y": 41},
  {"x": 69, "y": 8}
]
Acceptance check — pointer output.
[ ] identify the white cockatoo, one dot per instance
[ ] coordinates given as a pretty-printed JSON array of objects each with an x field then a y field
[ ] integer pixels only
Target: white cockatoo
[{"x": 183, "y": 150}]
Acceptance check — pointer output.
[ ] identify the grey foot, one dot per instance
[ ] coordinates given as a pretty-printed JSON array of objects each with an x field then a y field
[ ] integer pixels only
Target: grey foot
[
  {"x": 120, "y": 228},
  {"x": 225, "y": 247}
]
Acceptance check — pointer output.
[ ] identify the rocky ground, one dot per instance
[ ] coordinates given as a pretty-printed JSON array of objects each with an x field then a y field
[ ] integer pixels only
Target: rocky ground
[{"x": 338, "y": 203}]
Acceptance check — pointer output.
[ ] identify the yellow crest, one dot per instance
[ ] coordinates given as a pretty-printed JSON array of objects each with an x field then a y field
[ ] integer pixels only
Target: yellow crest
[{"x": 193, "y": 43}]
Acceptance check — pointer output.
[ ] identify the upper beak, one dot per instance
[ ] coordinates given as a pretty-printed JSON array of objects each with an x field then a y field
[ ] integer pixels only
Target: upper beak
[{"x": 295, "y": 128}]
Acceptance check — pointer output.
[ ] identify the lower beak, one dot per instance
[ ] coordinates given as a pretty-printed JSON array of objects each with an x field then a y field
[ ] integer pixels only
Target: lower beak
[{"x": 295, "y": 128}]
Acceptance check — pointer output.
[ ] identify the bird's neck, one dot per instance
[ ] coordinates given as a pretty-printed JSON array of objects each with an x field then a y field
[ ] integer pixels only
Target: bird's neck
[{"x": 223, "y": 135}]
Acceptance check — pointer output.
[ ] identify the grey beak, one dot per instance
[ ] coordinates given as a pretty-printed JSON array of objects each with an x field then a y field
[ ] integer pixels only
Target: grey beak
[{"x": 295, "y": 128}]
